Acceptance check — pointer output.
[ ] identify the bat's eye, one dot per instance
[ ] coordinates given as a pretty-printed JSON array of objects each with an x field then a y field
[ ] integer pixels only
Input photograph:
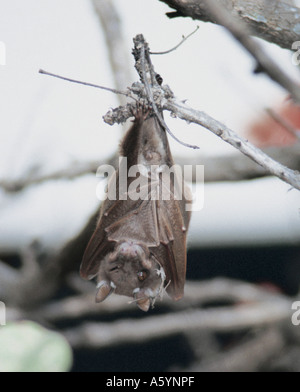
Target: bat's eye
[
  {"x": 115, "y": 268},
  {"x": 142, "y": 275}
]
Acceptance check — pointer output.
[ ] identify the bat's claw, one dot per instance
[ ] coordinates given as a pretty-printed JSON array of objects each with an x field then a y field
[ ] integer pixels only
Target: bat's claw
[{"x": 141, "y": 111}]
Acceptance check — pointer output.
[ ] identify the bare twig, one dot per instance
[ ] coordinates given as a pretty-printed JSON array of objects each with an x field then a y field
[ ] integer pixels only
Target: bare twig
[
  {"x": 265, "y": 63},
  {"x": 238, "y": 167},
  {"x": 112, "y": 90},
  {"x": 181, "y": 110},
  {"x": 178, "y": 45},
  {"x": 274, "y": 21},
  {"x": 74, "y": 171},
  {"x": 99, "y": 335},
  {"x": 116, "y": 46},
  {"x": 195, "y": 295},
  {"x": 194, "y": 116},
  {"x": 164, "y": 99},
  {"x": 248, "y": 356},
  {"x": 233, "y": 167}
]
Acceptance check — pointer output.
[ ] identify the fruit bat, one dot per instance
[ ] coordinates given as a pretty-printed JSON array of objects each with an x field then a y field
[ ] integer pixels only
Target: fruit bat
[{"x": 139, "y": 246}]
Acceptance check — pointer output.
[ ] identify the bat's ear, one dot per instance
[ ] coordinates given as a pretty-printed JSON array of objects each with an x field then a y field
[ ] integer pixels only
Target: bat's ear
[
  {"x": 142, "y": 300},
  {"x": 104, "y": 290},
  {"x": 144, "y": 304},
  {"x": 175, "y": 292}
]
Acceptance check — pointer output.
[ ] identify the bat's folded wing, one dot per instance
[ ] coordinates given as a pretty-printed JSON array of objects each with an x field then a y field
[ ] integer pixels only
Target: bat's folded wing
[
  {"x": 171, "y": 253},
  {"x": 139, "y": 225}
]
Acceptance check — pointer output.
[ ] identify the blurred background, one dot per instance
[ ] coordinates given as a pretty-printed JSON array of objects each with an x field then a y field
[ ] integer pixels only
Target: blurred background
[{"x": 244, "y": 245}]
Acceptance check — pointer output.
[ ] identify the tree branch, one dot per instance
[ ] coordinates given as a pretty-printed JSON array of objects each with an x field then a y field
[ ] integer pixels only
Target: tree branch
[
  {"x": 71, "y": 172},
  {"x": 118, "y": 56},
  {"x": 99, "y": 335},
  {"x": 274, "y": 21},
  {"x": 163, "y": 98},
  {"x": 184, "y": 112},
  {"x": 233, "y": 167},
  {"x": 238, "y": 167},
  {"x": 195, "y": 295},
  {"x": 264, "y": 62},
  {"x": 248, "y": 356}
]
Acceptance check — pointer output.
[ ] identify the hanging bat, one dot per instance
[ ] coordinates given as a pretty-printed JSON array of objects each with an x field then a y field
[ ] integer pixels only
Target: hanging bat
[{"x": 139, "y": 246}]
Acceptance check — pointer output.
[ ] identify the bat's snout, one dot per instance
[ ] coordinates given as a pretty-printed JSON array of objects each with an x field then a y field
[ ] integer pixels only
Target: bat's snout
[{"x": 131, "y": 250}]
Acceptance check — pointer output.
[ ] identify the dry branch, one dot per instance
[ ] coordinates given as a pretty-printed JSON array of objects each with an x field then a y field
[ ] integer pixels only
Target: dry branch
[
  {"x": 164, "y": 98},
  {"x": 264, "y": 62},
  {"x": 118, "y": 56},
  {"x": 227, "y": 319},
  {"x": 274, "y": 21},
  {"x": 233, "y": 167},
  {"x": 248, "y": 356},
  {"x": 196, "y": 294},
  {"x": 186, "y": 113},
  {"x": 71, "y": 172},
  {"x": 191, "y": 115},
  {"x": 161, "y": 97},
  {"x": 238, "y": 167}
]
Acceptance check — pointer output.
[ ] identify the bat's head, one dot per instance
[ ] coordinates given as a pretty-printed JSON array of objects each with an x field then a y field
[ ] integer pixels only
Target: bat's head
[{"x": 132, "y": 271}]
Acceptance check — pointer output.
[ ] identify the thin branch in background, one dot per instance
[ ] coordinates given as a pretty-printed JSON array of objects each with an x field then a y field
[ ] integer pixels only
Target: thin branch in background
[
  {"x": 284, "y": 123},
  {"x": 116, "y": 45},
  {"x": 233, "y": 167},
  {"x": 265, "y": 63},
  {"x": 178, "y": 45},
  {"x": 196, "y": 295},
  {"x": 272, "y": 20},
  {"x": 253, "y": 308},
  {"x": 238, "y": 167},
  {"x": 225, "y": 319},
  {"x": 248, "y": 356},
  {"x": 112, "y": 90},
  {"x": 74, "y": 171}
]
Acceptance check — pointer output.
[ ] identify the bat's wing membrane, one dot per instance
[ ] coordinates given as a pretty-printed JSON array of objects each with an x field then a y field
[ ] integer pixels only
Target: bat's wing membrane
[
  {"x": 97, "y": 248},
  {"x": 172, "y": 252},
  {"x": 139, "y": 225}
]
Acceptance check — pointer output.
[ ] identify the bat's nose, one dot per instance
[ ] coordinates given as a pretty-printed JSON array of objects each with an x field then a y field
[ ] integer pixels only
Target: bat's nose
[{"x": 131, "y": 250}]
